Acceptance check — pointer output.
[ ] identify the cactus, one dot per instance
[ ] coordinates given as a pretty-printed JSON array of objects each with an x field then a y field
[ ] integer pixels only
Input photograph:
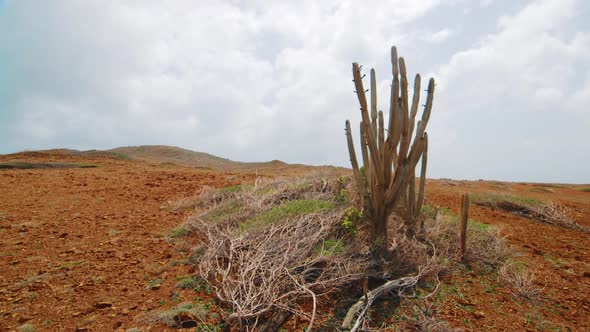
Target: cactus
[{"x": 389, "y": 160}]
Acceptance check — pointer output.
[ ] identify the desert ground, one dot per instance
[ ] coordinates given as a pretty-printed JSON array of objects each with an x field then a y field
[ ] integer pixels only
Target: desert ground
[{"x": 93, "y": 248}]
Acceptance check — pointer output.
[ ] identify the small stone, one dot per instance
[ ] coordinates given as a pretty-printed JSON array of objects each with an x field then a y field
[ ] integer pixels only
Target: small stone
[
  {"x": 185, "y": 319},
  {"x": 586, "y": 274},
  {"x": 464, "y": 301},
  {"x": 102, "y": 305},
  {"x": 479, "y": 314},
  {"x": 82, "y": 329}
]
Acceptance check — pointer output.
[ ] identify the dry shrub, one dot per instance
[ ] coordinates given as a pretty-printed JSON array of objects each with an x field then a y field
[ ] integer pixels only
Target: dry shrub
[
  {"x": 558, "y": 215},
  {"x": 295, "y": 260},
  {"x": 275, "y": 266},
  {"x": 549, "y": 212},
  {"x": 424, "y": 320},
  {"x": 485, "y": 244},
  {"x": 522, "y": 281},
  {"x": 261, "y": 257}
]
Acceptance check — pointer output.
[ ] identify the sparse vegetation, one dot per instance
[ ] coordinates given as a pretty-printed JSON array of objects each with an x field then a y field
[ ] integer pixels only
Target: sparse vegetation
[
  {"x": 286, "y": 210},
  {"x": 522, "y": 281},
  {"x": 547, "y": 212},
  {"x": 155, "y": 283},
  {"x": 292, "y": 232},
  {"x": 185, "y": 315},
  {"x": 330, "y": 247},
  {"x": 186, "y": 282},
  {"x": 497, "y": 199},
  {"x": 119, "y": 155},
  {"x": 38, "y": 165},
  {"x": 178, "y": 232},
  {"x": 26, "y": 328},
  {"x": 233, "y": 189}
]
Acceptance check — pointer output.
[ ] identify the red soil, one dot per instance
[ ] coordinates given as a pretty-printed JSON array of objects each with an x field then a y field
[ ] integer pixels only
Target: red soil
[{"x": 79, "y": 247}]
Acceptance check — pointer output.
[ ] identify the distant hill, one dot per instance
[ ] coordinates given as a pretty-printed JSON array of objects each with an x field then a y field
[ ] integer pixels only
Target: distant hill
[
  {"x": 159, "y": 154},
  {"x": 176, "y": 155}
]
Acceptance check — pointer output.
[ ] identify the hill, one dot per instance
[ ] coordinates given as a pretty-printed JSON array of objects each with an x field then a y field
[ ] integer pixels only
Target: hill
[
  {"x": 160, "y": 154},
  {"x": 176, "y": 155}
]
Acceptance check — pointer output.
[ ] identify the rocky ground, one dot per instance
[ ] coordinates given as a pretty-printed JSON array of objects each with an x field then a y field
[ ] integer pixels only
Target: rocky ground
[{"x": 89, "y": 249}]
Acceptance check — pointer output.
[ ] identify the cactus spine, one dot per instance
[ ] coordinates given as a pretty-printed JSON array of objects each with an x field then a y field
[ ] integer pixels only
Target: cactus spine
[{"x": 390, "y": 159}]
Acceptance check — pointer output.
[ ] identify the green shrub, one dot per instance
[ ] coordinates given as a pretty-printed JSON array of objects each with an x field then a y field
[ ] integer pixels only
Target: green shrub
[
  {"x": 119, "y": 155},
  {"x": 352, "y": 217},
  {"x": 494, "y": 198},
  {"x": 178, "y": 232},
  {"x": 26, "y": 328},
  {"x": 235, "y": 188},
  {"x": 330, "y": 247},
  {"x": 223, "y": 211},
  {"x": 287, "y": 209},
  {"x": 186, "y": 282}
]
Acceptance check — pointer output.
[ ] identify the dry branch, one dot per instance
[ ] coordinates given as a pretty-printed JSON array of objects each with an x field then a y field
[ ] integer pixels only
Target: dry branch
[{"x": 359, "y": 309}]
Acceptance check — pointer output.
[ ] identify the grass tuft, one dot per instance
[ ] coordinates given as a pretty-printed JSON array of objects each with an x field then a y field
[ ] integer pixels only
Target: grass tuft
[
  {"x": 329, "y": 247},
  {"x": 234, "y": 189},
  {"x": 223, "y": 212},
  {"x": 287, "y": 209},
  {"x": 178, "y": 232},
  {"x": 26, "y": 328},
  {"x": 493, "y": 199}
]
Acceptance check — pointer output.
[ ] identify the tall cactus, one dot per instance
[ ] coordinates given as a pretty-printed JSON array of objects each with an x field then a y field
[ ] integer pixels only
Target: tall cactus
[{"x": 389, "y": 160}]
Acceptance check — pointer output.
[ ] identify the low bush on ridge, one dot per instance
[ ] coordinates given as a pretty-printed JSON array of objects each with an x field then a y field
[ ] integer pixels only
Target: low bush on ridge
[{"x": 283, "y": 245}]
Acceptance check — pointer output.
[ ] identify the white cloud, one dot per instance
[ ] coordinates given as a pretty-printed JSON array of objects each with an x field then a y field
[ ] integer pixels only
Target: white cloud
[
  {"x": 439, "y": 36},
  {"x": 259, "y": 80},
  {"x": 524, "y": 77}
]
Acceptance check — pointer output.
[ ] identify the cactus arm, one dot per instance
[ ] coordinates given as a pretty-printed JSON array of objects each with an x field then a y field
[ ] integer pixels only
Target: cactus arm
[{"x": 420, "y": 200}]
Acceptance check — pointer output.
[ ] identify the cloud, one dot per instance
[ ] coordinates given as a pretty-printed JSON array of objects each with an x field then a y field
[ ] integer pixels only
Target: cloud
[
  {"x": 524, "y": 82},
  {"x": 253, "y": 80},
  {"x": 439, "y": 36}
]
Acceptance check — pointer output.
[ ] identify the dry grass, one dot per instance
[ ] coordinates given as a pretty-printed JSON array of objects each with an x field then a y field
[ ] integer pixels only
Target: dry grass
[
  {"x": 547, "y": 212},
  {"x": 285, "y": 245},
  {"x": 522, "y": 281},
  {"x": 424, "y": 320},
  {"x": 558, "y": 215}
]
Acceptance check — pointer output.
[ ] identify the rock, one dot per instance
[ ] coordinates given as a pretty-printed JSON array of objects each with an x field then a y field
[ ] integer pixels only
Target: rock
[
  {"x": 185, "y": 319},
  {"x": 479, "y": 314},
  {"x": 102, "y": 305},
  {"x": 464, "y": 301},
  {"x": 82, "y": 329},
  {"x": 586, "y": 274}
]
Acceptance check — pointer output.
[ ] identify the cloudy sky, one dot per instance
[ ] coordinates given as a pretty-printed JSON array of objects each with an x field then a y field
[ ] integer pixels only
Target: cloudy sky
[{"x": 257, "y": 80}]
